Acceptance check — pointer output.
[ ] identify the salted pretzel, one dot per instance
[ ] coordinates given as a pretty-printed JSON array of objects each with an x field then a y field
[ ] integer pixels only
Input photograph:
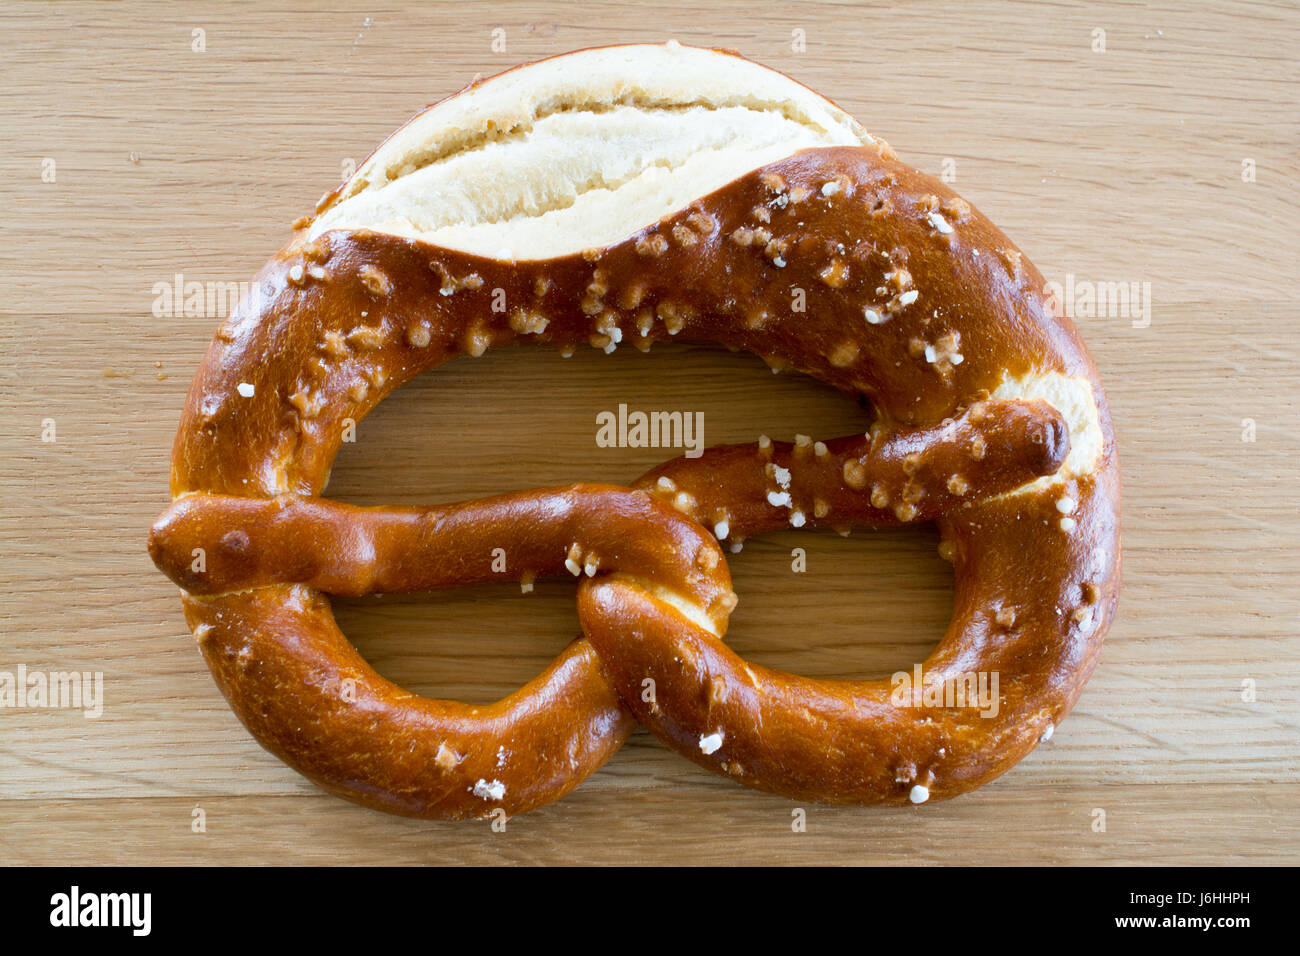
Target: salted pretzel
[{"x": 620, "y": 197}]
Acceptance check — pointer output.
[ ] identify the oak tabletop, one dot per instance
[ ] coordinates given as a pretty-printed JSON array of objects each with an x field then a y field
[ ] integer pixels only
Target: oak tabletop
[{"x": 1146, "y": 157}]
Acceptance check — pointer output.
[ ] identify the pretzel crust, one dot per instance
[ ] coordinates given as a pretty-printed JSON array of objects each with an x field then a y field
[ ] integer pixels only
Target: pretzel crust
[
  {"x": 306, "y": 694},
  {"x": 969, "y": 379}
]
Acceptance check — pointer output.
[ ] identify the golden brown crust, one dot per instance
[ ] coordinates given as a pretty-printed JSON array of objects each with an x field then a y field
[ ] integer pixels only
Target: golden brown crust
[
  {"x": 882, "y": 283},
  {"x": 304, "y": 692}
]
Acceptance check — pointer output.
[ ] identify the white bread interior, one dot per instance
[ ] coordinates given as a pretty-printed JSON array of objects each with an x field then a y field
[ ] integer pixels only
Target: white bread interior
[{"x": 582, "y": 150}]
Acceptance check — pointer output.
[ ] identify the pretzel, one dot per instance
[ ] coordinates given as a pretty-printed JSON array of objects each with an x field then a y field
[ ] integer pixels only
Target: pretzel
[{"x": 769, "y": 222}]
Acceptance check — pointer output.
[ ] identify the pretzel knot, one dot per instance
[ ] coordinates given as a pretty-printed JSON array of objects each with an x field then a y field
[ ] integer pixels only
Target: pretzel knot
[{"x": 987, "y": 419}]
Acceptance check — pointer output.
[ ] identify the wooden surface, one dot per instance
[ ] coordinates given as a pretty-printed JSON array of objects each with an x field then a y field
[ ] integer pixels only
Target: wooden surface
[{"x": 1116, "y": 166}]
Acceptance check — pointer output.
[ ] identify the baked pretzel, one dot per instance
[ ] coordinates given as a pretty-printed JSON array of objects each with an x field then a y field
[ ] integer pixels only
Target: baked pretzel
[{"x": 626, "y": 196}]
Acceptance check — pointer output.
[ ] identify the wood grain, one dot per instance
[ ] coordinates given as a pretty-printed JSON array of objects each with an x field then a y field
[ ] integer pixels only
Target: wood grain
[{"x": 1116, "y": 166}]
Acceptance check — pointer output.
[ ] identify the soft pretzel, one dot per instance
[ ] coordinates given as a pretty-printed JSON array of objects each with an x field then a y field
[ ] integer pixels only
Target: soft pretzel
[{"x": 626, "y": 196}]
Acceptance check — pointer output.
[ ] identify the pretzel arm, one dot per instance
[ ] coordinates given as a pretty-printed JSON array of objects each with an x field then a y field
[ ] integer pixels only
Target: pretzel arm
[
  {"x": 886, "y": 478},
  {"x": 348, "y": 550}
]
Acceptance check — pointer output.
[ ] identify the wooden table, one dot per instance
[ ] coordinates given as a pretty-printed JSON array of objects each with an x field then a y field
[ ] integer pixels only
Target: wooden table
[{"x": 132, "y": 158}]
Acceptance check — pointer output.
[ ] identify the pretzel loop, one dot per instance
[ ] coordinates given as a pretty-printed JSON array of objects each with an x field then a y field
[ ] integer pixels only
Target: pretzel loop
[{"x": 267, "y": 562}]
